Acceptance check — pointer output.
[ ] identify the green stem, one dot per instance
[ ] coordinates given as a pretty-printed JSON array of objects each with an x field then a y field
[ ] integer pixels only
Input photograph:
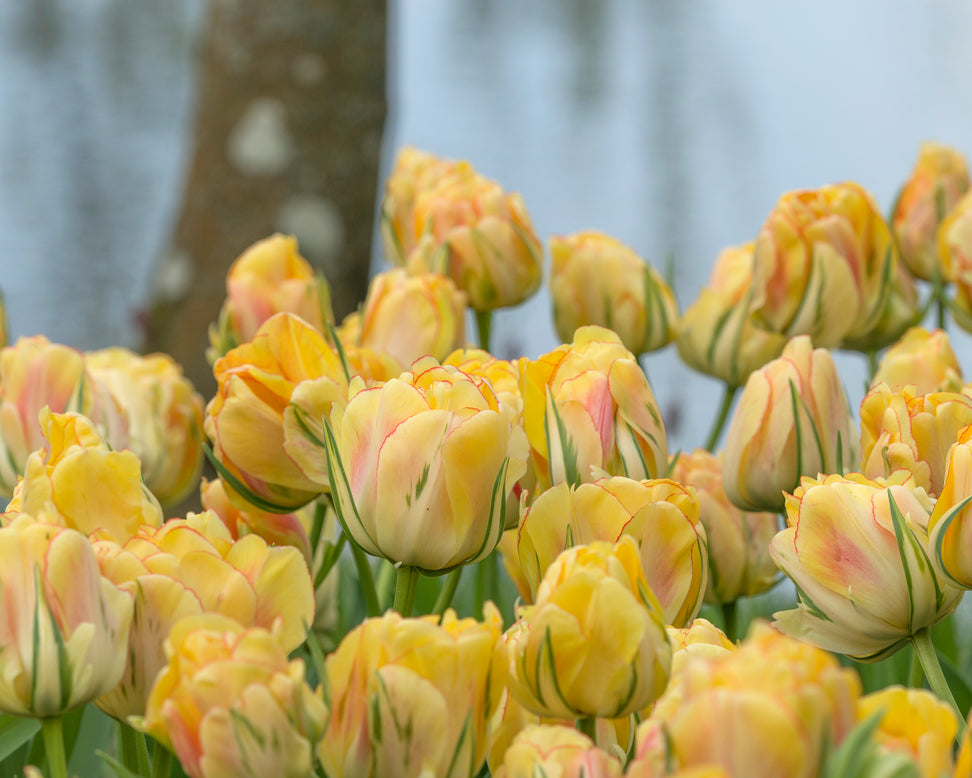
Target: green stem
[
  {"x": 484, "y": 320},
  {"x": 916, "y": 676},
  {"x": 588, "y": 726},
  {"x": 133, "y": 749},
  {"x": 729, "y": 620},
  {"x": 872, "y": 364},
  {"x": 720, "y": 421},
  {"x": 386, "y": 584},
  {"x": 925, "y": 649},
  {"x": 486, "y": 583},
  {"x": 53, "y": 731},
  {"x": 447, "y": 592},
  {"x": 161, "y": 762},
  {"x": 405, "y": 585},
  {"x": 366, "y": 579}
]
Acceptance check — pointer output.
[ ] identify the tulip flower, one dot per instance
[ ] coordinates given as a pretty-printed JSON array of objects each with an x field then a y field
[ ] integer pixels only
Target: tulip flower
[
  {"x": 256, "y": 426},
  {"x": 165, "y": 417},
  {"x": 192, "y": 566},
  {"x": 556, "y": 750},
  {"x": 78, "y": 481},
  {"x": 915, "y": 723},
  {"x": 270, "y": 277},
  {"x": 923, "y": 359},
  {"x": 596, "y": 279},
  {"x": 737, "y": 540},
  {"x": 588, "y": 411},
  {"x": 857, "y": 551},
  {"x": 938, "y": 180},
  {"x": 717, "y": 335},
  {"x": 34, "y": 374},
  {"x": 792, "y": 419},
  {"x": 661, "y": 516},
  {"x": 949, "y": 525},
  {"x": 904, "y": 431},
  {"x": 411, "y": 697},
  {"x": 593, "y": 644},
  {"x": 823, "y": 264},
  {"x": 229, "y": 703},
  {"x": 422, "y": 467},
  {"x": 64, "y": 630},
  {"x": 409, "y": 315},
  {"x": 767, "y": 710},
  {"x": 955, "y": 248}
]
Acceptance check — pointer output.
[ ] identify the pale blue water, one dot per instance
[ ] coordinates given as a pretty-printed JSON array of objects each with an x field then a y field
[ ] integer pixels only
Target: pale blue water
[{"x": 673, "y": 126}]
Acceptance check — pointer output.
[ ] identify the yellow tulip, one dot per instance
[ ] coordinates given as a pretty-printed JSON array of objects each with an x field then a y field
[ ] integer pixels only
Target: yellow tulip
[
  {"x": 738, "y": 541},
  {"x": 916, "y": 723},
  {"x": 409, "y": 315},
  {"x": 191, "y": 566},
  {"x": 955, "y": 248},
  {"x": 34, "y": 374},
  {"x": 823, "y": 263},
  {"x": 79, "y": 482},
  {"x": 766, "y": 710},
  {"x": 904, "y": 431},
  {"x": 938, "y": 180},
  {"x": 594, "y": 642},
  {"x": 468, "y": 228},
  {"x": 717, "y": 335},
  {"x": 588, "y": 411},
  {"x": 229, "y": 703},
  {"x": 596, "y": 279},
  {"x": 412, "y": 697},
  {"x": 424, "y": 467},
  {"x": 792, "y": 419},
  {"x": 857, "y": 551},
  {"x": 164, "y": 413},
  {"x": 949, "y": 525},
  {"x": 546, "y": 749},
  {"x": 923, "y": 359},
  {"x": 269, "y": 277},
  {"x": 660, "y": 515},
  {"x": 256, "y": 425},
  {"x": 64, "y": 630}
]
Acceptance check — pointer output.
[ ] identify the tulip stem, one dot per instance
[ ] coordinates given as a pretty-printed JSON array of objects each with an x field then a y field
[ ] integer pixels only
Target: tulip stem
[
  {"x": 132, "y": 749},
  {"x": 916, "y": 675},
  {"x": 872, "y": 364},
  {"x": 161, "y": 762},
  {"x": 588, "y": 726},
  {"x": 486, "y": 582},
  {"x": 727, "y": 397},
  {"x": 729, "y": 620},
  {"x": 53, "y": 730},
  {"x": 405, "y": 585},
  {"x": 925, "y": 649},
  {"x": 448, "y": 590},
  {"x": 366, "y": 579},
  {"x": 484, "y": 320}
]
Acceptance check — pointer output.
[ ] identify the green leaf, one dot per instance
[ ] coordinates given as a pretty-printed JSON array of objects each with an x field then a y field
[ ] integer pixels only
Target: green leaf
[
  {"x": 120, "y": 770},
  {"x": 15, "y": 731}
]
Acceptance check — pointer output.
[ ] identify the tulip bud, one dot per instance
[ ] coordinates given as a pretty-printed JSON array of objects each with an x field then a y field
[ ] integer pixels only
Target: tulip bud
[
  {"x": 792, "y": 419},
  {"x": 902, "y": 431},
  {"x": 824, "y": 260},
  {"x": 737, "y": 541},
  {"x": 269, "y": 277},
  {"x": 594, "y": 642},
  {"x": 717, "y": 335},
  {"x": 64, "y": 630},
  {"x": 229, "y": 702},
  {"x": 589, "y": 411},
  {"x": 422, "y": 466},
  {"x": 412, "y": 697},
  {"x": 857, "y": 551},
  {"x": 596, "y": 279},
  {"x": 661, "y": 516},
  {"x": 955, "y": 249},
  {"x": 921, "y": 359},
  {"x": 556, "y": 750},
  {"x": 938, "y": 180}
]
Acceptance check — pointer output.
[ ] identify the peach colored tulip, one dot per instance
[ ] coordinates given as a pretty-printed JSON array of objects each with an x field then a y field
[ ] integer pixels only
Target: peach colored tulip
[
  {"x": 923, "y": 359},
  {"x": 546, "y": 749}
]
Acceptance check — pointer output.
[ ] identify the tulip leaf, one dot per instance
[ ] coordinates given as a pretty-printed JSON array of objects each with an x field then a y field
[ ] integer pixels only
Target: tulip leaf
[
  {"x": 120, "y": 770},
  {"x": 339, "y": 348},
  {"x": 15, "y": 731},
  {"x": 243, "y": 490}
]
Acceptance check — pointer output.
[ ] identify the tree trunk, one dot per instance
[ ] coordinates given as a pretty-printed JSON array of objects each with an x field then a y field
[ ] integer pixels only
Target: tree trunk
[{"x": 290, "y": 109}]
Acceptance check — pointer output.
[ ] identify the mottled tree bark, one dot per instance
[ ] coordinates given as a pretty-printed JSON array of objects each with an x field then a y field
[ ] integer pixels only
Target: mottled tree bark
[{"x": 290, "y": 108}]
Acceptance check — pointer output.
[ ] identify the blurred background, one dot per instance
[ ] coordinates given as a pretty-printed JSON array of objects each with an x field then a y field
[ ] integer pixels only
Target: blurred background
[{"x": 144, "y": 145}]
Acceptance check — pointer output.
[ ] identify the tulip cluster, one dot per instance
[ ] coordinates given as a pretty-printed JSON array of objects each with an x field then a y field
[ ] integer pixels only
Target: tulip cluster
[{"x": 384, "y": 465}]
